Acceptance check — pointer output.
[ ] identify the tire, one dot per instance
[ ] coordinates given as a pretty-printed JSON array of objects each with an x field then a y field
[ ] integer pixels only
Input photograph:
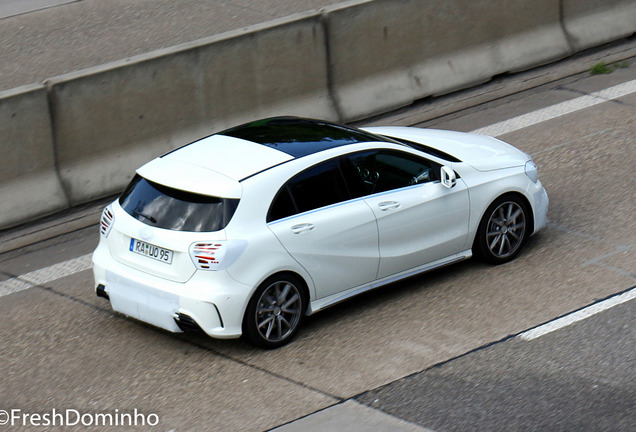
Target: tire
[
  {"x": 503, "y": 230},
  {"x": 275, "y": 311}
]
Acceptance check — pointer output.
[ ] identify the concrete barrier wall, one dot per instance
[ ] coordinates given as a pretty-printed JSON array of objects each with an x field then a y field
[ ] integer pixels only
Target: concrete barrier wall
[
  {"x": 590, "y": 23},
  {"x": 29, "y": 185},
  {"x": 341, "y": 63},
  {"x": 110, "y": 120},
  {"x": 382, "y": 60}
]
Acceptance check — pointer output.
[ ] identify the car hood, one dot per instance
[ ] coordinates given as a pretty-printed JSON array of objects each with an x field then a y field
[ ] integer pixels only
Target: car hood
[{"x": 482, "y": 152}]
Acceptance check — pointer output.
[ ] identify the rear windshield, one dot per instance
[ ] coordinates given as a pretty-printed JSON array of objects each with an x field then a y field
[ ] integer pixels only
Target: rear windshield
[{"x": 173, "y": 209}]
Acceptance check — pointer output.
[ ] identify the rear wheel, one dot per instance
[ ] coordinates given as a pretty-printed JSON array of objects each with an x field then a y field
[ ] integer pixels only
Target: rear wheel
[
  {"x": 503, "y": 230},
  {"x": 275, "y": 312}
]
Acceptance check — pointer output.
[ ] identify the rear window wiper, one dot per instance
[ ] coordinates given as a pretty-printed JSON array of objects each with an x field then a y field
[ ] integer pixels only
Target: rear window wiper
[{"x": 145, "y": 216}]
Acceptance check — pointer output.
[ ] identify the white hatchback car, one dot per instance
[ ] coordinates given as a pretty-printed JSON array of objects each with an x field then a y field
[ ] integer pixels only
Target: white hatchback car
[{"x": 248, "y": 230}]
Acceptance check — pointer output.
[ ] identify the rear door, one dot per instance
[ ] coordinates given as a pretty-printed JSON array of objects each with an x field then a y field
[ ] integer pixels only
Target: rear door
[{"x": 332, "y": 235}]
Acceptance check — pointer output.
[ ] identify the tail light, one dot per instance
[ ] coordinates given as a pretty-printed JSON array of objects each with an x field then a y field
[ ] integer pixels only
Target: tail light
[
  {"x": 206, "y": 255},
  {"x": 216, "y": 255},
  {"x": 106, "y": 221}
]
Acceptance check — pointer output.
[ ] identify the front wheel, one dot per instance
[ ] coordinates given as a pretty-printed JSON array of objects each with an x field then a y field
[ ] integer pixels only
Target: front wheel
[
  {"x": 275, "y": 312},
  {"x": 503, "y": 230}
]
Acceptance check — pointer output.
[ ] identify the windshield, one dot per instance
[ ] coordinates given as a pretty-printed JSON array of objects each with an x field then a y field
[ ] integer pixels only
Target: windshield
[{"x": 173, "y": 209}]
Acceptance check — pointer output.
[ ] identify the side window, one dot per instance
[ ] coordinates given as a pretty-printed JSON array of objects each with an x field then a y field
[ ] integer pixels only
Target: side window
[
  {"x": 318, "y": 186},
  {"x": 282, "y": 206},
  {"x": 383, "y": 170}
]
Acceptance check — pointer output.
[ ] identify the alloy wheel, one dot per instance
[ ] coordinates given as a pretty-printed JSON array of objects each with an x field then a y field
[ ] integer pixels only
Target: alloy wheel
[
  {"x": 506, "y": 229},
  {"x": 278, "y": 311}
]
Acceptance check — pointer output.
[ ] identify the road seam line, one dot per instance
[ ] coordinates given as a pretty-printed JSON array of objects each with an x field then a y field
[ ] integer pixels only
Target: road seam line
[
  {"x": 596, "y": 260},
  {"x": 577, "y": 316},
  {"x": 587, "y": 236}
]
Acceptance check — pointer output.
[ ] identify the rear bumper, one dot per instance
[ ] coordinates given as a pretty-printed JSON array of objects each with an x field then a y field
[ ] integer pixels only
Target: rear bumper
[{"x": 213, "y": 300}]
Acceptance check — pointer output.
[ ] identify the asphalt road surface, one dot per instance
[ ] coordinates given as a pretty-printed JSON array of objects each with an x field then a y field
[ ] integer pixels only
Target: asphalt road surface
[
  {"x": 436, "y": 352},
  {"x": 580, "y": 378},
  {"x": 40, "y": 39}
]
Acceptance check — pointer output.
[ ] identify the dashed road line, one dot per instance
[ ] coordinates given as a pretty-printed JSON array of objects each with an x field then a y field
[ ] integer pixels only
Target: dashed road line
[
  {"x": 45, "y": 275},
  {"x": 558, "y": 110},
  {"x": 577, "y": 316}
]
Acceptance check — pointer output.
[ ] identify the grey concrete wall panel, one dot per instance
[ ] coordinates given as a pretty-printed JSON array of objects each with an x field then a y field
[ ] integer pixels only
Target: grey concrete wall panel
[
  {"x": 29, "y": 185},
  {"x": 387, "y": 53},
  {"x": 110, "y": 120},
  {"x": 590, "y": 23}
]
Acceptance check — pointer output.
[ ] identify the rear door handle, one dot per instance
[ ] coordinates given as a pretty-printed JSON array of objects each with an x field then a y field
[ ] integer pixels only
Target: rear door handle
[
  {"x": 387, "y": 205},
  {"x": 301, "y": 228}
]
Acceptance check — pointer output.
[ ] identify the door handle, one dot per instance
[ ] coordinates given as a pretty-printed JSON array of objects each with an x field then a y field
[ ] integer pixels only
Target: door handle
[
  {"x": 301, "y": 228},
  {"x": 387, "y": 205}
]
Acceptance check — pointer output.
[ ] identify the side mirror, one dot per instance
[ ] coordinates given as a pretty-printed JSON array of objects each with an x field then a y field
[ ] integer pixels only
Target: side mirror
[{"x": 448, "y": 177}]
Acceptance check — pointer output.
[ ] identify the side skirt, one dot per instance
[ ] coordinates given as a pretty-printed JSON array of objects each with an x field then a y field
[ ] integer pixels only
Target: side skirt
[{"x": 331, "y": 300}]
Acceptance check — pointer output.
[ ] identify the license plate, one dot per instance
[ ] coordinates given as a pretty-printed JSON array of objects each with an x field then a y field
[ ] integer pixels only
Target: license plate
[{"x": 151, "y": 251}]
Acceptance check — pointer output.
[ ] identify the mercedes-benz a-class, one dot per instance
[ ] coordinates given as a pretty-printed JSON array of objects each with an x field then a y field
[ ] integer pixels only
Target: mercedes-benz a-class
[{"x": 248, "y": 230}]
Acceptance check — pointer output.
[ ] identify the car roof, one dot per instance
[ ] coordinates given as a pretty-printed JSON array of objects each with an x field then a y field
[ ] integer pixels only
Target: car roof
[
  {"x": 245, "y": 150},
  {"x": 300, "y": 137},
  {"x": 216, "y": 165},
  {"x": 232, "y": 157}
]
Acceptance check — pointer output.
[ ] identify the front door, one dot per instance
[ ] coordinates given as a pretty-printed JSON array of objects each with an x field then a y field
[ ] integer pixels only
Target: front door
[{"x": 419, "y": 220}]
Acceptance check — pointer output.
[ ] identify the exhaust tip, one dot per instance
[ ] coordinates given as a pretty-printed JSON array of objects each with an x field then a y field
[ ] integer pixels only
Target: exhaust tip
[
  {"x": 101, "y": 292},
  {"x": 187, "y": 324}
]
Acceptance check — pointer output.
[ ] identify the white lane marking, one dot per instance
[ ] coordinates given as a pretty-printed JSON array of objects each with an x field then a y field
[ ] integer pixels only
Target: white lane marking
[
  {"x": 46, "y": 275},
  {"x": 578, "y": 315},
  {"x": 563, "y": 108}
]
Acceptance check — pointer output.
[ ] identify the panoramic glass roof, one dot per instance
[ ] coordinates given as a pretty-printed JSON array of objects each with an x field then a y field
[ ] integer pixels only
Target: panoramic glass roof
[{"x": 300, "y": 137}]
